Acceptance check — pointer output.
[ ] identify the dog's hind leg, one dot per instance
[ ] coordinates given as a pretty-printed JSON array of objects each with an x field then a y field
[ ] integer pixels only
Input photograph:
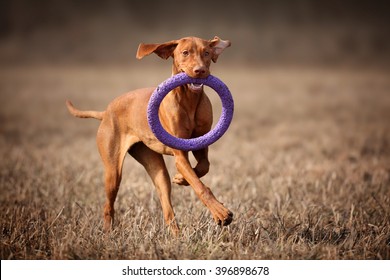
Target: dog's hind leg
[{"x": 112, "y": 150}]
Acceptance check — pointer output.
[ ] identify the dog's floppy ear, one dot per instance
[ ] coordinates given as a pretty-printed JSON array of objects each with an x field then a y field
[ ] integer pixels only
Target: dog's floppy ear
[
  {"x": 164, "y": 50},
  {"x": 218, "y": 46}
]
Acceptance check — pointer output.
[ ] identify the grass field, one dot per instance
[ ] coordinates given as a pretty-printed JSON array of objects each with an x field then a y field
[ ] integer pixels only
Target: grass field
[{"x": 305, "y": 167}]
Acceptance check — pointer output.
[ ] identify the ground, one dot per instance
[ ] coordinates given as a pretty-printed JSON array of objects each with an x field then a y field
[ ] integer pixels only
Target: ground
[{"x": 305, "y": 167}]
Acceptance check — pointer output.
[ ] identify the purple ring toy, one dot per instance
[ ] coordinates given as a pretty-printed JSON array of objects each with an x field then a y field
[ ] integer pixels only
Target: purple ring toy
[{"x": 197, "y": 143}]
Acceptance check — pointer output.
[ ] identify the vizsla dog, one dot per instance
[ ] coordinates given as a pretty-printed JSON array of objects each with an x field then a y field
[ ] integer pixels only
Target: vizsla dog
[{"x": 185, "y": 112}]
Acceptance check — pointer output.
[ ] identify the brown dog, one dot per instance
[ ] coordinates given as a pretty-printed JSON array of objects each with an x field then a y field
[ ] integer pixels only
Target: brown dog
[{"x": 185, "y": 112}]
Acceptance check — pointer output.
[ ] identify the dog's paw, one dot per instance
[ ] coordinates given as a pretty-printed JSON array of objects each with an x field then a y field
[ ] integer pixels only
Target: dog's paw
[
  {"x": 179, "y": 180},
  {"x": 227, "y": 220},
  {"x": 223, "y": 216}
]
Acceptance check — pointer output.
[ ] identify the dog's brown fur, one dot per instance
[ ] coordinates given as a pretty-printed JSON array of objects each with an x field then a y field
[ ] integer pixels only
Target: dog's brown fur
[{"x": 185, "y": 112}]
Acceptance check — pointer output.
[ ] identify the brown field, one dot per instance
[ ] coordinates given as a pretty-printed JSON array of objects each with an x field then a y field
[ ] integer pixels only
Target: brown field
[{"x": 305, "y": 167}]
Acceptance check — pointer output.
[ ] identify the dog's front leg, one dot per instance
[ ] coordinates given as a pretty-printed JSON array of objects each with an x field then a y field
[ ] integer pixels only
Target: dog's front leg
[
  {"x": 203, "y": 165},
  {"x": 220, "y": 213},
  {"x": 155, "y": 166},
  {"x": 201, "y": 168}
]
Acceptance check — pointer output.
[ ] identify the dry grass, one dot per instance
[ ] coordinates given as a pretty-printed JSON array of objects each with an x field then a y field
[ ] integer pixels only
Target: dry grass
[{"x": 305, "y": 167}]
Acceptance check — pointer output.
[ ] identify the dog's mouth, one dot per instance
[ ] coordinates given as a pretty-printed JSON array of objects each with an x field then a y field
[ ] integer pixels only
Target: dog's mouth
[{"x": 195, "y": 87}]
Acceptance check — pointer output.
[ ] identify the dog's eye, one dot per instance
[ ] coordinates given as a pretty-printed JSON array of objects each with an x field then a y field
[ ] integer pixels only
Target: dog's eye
[
  {"x": 185, "y": 53},
  {"x": 206, "y": 53}
]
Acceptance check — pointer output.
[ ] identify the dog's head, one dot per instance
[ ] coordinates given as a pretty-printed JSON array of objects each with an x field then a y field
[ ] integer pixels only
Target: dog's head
[{"x": 190, "y": 54}]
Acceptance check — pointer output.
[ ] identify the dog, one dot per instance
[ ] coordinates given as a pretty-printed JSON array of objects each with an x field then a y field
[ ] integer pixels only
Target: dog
[{"x": 185, "y": 112}]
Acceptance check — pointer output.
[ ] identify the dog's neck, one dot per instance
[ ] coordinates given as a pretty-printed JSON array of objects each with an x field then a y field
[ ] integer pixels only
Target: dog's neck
[{"x": 180, "y": 99}]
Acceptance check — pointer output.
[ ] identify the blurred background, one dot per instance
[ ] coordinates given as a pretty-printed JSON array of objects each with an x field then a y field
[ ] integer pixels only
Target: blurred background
[
  {"x": 328, "y": 32},
  {"x": 304, "y": 165}
]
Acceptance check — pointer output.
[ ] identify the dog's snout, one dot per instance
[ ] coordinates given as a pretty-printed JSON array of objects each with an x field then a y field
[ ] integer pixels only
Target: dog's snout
[{"x": 200, "y": 71}]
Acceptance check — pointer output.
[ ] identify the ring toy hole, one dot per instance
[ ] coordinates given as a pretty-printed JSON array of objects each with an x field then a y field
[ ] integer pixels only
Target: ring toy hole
[{"x": 197, "y": 143}]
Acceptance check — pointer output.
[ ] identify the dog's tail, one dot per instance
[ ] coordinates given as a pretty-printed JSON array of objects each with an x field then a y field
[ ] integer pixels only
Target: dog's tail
[{"x": 83, "y": 114}]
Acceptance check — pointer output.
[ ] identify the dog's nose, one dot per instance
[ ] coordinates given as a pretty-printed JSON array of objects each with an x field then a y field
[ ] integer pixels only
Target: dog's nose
[{"x": 200, "y": 70}]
